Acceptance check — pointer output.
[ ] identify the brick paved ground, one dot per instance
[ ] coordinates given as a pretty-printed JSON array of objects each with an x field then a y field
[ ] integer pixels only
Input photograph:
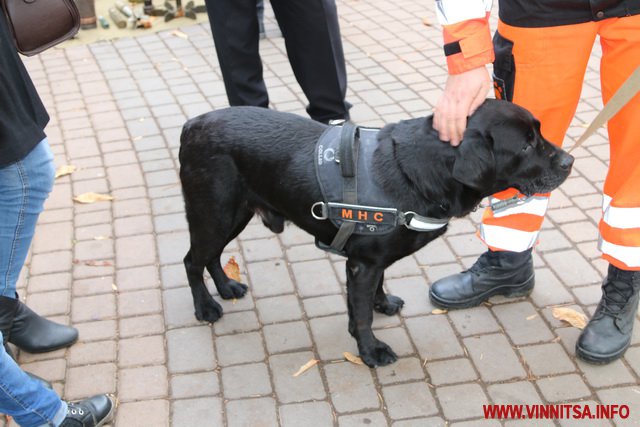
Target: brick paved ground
[{"x": 113, "y": 269}]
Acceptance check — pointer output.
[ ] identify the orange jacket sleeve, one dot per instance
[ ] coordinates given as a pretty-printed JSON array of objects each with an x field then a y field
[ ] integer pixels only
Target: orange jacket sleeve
[{"x": 466, "y": 33}]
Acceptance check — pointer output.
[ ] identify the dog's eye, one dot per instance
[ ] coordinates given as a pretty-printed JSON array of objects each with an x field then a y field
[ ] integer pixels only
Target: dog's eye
[
  {"x": 530, "y": 135},
  {"x": 527, "y": 147}
]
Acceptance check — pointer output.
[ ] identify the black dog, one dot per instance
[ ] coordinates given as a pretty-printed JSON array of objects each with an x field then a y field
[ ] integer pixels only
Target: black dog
[{"x": 240, "y": 161}]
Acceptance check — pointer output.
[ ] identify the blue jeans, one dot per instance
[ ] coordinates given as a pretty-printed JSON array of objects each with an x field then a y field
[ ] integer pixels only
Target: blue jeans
[
  {"x": 24, "y": 186},
  {"x": 29, "y": 402}
]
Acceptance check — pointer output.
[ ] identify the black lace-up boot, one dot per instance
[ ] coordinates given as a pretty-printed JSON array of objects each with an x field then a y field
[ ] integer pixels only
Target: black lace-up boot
[
  {"x": 494, "y": 273},
  {"x": 608, "y": 333},
  {"x": 92, "y": 412}
]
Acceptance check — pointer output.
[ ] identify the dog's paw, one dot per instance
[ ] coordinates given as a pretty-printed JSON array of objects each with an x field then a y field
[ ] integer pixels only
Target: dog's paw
[
  {"x": 390, "y": 305},
  {"x": 208, "y": 311},
  {"x": 379, "y": 354},
  {"x": 233, "y": 289}
]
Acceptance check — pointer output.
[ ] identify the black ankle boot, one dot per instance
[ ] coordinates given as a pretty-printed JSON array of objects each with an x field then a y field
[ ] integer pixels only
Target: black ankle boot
[
  {"x": 494, "y": 273},
  {"x": 608, "y": 333},
  {"x": 35, "y": 334},
  {"x": 92, "y": 412}
]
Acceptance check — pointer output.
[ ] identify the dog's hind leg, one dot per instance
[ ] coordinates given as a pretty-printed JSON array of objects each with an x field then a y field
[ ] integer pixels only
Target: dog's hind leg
[
  {"x": 386, "y": 303},
  {"x": 207, "y": 309},
  {"x": 362, "y": 284},
  {"x": 228, "y": 288}
]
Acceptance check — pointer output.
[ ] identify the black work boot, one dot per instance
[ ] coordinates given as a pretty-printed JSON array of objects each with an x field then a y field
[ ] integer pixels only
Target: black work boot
[
  {"x": 31, "y": 332},
  {"x": 494, "y": 273},
  {"x": 92, "y": 412},
  {"x": 608, "y": 333}
]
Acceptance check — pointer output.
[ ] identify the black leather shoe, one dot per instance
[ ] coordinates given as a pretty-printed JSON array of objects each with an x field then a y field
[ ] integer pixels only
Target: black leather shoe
[
  {"x": 608, "y": 333},
  {"x": 494, "y": 273},
  {"x": 92, "y": 412},
  {"x": 35, "y": 334}
]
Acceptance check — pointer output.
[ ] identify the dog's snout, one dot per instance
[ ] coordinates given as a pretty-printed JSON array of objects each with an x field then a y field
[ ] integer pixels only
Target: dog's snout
[{"x": 566, "y": 161}]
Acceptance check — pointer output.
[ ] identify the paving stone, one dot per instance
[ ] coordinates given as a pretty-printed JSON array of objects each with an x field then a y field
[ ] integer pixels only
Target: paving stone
[
  {"x": 451, "y": 371},
  {"x": 141, "y": 351},
  {"x": 517, "y": 393},
  {"x": 138, "y": 303},
  {"x": 240, "y": 348},
  {"x": 418, "y": 422},
  {"x": 549, "y": 290},
  {"x": 200, "y": 356},
  {"x": 547, "y": 359},
  {"x": 522, "y": 323},
  {"x": 494, "y": 358},
  {"x": 414, "y": 292},
  {"x": 404, "y": 369},
  {"x": 269, "y": 278},
  {"x": 614, "y": 373},
  {"x": 155, "y": 413},
  {"x": 142, "y": 325},
  {"x": 396, "y": 338},
  {"x": 284, "y": 337},
  {"x": 246, "y": 381},
  {"x": 473, "y": 321},
  {"x": 83, "y": 381},
  {"x": 324, "y": 305},
  {"x": 455, "y": 408},
  {"x": 90, "y": 353},
  {"x": 351, "y": 387},
  {"x": 315, "y": 278},
  {"x": 331, "y": 337},
  {"x": 251, "y": 412},
  {"x": 409, "y": 400},
  {"x": 622, "y": 396},
  {"x": 572, "y": 268},
  {"x": 131, "y": 279},
  {"x": 434, "y": 337},
  {"x": 364, "y": 419},
  {"x": 290, "y": 389},
  {"x": 278, "y": 309},
  {"x": 194, "y": 385},
  {"x": 143, "y": 383},
  {"x": 91, "y": 308},
  {"x": 563, "y": 388},
  {"x": 299, "y": 414},
  {"x": 135, "y": 251},
  {"x": 233, "y": 323},
  {"x": 97, "y": 330}
]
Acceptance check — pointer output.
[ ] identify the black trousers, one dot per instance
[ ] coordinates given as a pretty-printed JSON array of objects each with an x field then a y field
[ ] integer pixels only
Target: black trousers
[{"x": 312, "y": 38}]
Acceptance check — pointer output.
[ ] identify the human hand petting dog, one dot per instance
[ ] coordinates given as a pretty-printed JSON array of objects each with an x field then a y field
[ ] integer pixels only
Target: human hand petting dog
[{"x": 463, "y": 94}]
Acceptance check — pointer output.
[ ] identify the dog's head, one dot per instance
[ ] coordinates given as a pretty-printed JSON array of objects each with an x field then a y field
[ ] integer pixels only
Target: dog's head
[{"x": 502, "y": 148}]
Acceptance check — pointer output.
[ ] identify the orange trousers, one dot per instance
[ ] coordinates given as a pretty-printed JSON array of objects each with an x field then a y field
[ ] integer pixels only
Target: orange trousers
[{"x": 544, "y": 70}]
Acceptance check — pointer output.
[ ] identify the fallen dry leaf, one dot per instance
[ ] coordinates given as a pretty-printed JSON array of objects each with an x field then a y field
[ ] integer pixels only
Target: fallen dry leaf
[
  {"x": 353, "y": 358},
  {"x": 232, "y": 269},
  {"x": 114, "y": 287},
  {"x": 439, "y": 311},
  {"x": 426, "y": 22},
  {"x": 92, "y": 198},
  {"x": 571, "y": 316},
  {"x": 180, "y": 34},
  {"x": 65, "y": 170},
  {"x": 304, "y": 368},
  {"x": 533, "y": 316},
  {"x": 100, "y": 237}
]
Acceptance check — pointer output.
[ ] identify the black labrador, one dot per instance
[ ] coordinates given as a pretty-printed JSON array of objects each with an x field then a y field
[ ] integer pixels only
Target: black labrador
[{"x": 240, "y": 161}]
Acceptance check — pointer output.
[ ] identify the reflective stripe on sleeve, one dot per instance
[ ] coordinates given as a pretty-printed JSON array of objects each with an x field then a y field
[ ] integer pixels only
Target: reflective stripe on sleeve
[
  {"x": 454, "y": 11},
  {"x": 507, "y": 239}
]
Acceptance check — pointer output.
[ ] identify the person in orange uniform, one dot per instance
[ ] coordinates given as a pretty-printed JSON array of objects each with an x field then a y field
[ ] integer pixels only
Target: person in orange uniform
[{"x": 540, "y": 53}]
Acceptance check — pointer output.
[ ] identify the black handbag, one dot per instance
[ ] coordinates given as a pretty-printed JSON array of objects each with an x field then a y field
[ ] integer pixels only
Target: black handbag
[{"x": 37, "y": 25}]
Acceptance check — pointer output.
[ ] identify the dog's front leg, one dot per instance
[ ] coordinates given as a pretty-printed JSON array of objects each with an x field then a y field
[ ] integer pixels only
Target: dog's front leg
[
  {"x": 386, "y": 303},
  {"x": 362, "y": 283}
]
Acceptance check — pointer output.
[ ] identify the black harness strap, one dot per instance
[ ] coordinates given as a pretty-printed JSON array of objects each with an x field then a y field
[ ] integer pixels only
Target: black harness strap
[{"x": 348, "y": 165}]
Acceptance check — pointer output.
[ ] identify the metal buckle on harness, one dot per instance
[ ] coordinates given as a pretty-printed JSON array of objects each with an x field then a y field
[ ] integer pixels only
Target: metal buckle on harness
[
  {"x": 505, "y": 204},
  {"x": 324, "y": 212}
]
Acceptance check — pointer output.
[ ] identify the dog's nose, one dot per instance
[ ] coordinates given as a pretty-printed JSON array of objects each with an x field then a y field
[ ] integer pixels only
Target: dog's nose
[{"x": 566, "y": 161}]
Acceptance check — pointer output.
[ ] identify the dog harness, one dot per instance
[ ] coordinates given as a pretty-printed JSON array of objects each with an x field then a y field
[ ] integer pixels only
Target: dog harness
[{"x": 353, "y": 200}]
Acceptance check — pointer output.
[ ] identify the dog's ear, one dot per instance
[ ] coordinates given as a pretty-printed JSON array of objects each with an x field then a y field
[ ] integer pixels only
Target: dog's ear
[{"x": 475, "y": 164}]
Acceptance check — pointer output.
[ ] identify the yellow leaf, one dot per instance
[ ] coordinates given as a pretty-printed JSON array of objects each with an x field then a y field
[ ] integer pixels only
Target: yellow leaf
[
  {"x": 426, "y": 22},
  {"x": 438, "y": 311},
  {"x": 65, "y": 170},
  {"x": 232, "y": 269},
  {"x": 571, "y": 316},
  {"x": 352, "y": 358},
  {"x": 180, "y": 34},
  {"x": 92, "y": 198},
  {"x": 310, "y": 364}
]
